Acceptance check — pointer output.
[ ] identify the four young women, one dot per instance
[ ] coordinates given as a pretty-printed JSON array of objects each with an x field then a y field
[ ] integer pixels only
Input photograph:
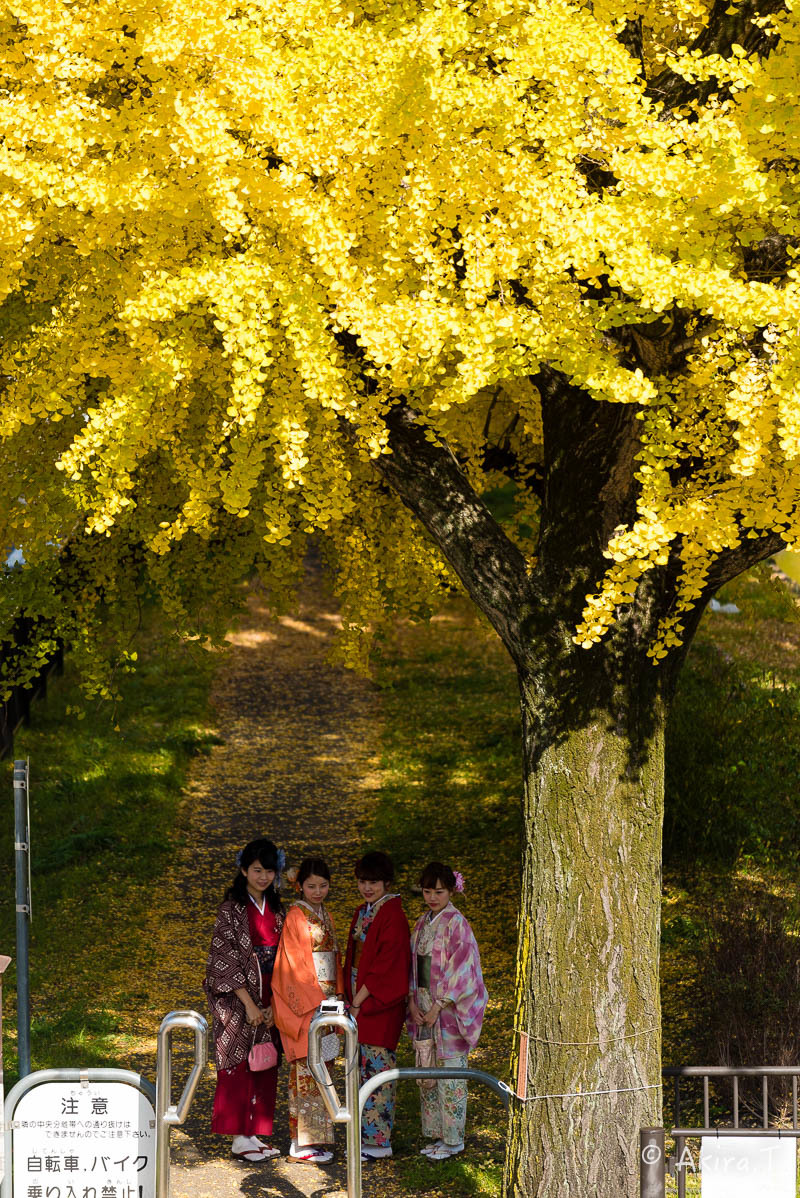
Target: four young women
[{"x": 268, "y": 971}]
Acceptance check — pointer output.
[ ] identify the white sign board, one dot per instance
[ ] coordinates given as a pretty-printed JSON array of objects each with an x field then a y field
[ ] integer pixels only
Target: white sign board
[
  {"x": 748, "y": 1167},
  {"x": 83, "y": 1140}
]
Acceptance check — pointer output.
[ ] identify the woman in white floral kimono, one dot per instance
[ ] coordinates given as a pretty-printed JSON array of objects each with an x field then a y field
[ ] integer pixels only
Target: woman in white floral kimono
[{"x": 446, "y": 1003}]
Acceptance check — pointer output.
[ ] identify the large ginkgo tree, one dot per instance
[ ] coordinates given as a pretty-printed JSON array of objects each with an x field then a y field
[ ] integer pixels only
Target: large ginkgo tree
[{"x": 351, "y": 270}]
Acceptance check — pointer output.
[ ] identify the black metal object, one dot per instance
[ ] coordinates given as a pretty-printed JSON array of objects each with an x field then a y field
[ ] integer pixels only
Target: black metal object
[
  {"x": 734, "y": 1074},
  {"x": 651, "y": 1162}
]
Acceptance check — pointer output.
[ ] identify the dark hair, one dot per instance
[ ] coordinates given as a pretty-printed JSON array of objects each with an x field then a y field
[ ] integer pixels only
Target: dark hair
[
  {"x": 266, "y": 853},
  {"x": 374, "y": 867},
  {"x": 312, "y": 865},
  {"x": 437, "y": 872}
]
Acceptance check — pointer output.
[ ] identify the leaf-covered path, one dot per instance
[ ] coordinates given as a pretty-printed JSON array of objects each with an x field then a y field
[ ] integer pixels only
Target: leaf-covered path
[{"x": 297, "y": 763}]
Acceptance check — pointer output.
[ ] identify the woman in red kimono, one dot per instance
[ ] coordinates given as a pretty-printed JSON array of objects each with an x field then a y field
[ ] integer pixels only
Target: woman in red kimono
[
  {"x": 239, "y": 991},
  {"x": 376, "y": 983}
]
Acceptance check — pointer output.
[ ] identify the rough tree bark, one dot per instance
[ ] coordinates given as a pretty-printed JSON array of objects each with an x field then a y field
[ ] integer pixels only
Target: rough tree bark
[{"x": 587, "y": 992}]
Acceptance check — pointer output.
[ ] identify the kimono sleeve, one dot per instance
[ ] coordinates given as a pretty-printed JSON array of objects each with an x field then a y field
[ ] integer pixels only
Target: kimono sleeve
[
  {"x": 385, "y": 968},
  {"x": 348, "y": 959},
  {"x": 339, "y": 969},
  {"x": 295, "y": 989},
  {"x": 462, "y": 985},
  {"x": 225, "y": 969}
]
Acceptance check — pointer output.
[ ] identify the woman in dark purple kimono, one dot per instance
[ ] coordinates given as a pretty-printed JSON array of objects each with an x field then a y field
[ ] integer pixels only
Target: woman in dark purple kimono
[{"x": 239, "y": 991}]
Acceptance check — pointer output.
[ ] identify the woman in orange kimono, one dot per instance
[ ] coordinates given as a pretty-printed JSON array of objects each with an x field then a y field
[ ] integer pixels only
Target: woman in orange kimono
[{"x": 307, "y": 970}]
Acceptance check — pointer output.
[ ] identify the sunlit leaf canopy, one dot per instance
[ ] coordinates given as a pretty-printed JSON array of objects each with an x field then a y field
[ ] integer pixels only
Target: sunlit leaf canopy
[{"x": 232, "y": 236}]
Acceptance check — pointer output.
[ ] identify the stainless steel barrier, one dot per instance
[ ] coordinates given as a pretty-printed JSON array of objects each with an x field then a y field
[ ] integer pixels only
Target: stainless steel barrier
[
  {"x": 652, "y": 1181},
  {"x": 169, "y": 1114},
  {"x": 332, "y": 1014},
  {"x": 720, "y": 1128}
]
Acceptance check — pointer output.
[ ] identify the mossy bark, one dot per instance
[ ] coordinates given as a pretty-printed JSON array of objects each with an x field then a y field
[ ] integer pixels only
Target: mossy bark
[{"x": 587, "y": 992}]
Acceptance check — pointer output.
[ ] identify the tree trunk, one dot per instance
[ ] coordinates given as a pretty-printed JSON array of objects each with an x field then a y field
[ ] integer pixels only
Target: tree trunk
[{"x": 587, "y": 992}]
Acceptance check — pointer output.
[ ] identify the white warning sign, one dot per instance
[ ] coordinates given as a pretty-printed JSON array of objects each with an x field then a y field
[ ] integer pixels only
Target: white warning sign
[{"x": 83, "y": 1140}]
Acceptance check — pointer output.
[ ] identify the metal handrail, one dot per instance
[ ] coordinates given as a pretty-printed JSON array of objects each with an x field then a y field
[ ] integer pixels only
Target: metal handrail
[
  {"x": 169, "y": 1114},
  {"x": 332, "y": 1014},
  {"x": 718, "y": 1133},
  {"x": 731, "y": 1070},
  {"x": 443, "y": 1073}
]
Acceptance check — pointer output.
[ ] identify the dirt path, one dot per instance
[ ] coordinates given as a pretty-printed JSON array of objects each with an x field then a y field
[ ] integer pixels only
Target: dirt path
[{"x": 297, "y": 764}]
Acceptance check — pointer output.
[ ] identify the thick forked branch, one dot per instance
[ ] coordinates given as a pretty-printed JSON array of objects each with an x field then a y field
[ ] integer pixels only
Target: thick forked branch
[
  {"x": 425, "y": 475},
  {"x": 733, "y": 562}
]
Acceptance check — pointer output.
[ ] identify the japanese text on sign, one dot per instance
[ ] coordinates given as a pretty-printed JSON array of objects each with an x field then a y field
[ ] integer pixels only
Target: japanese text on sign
[{"x": 74, "y": 1140}]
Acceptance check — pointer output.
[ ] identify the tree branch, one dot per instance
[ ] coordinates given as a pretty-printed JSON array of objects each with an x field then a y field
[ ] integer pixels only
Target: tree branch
[
  {"x": 733, "y": 562},
  {"x": 425, "y": 475}
]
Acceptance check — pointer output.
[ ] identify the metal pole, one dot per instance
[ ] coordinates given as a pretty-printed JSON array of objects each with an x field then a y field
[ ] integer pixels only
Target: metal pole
[
  {"x": 169, "y": 1114},
  {"x": 680, "y": 1145},
  {"x": 652, "y": 1179},
  {"x": 23, "y": 900},
  {"x": 332, "y": 1014},
  {"x": 443, "y": 1072}
]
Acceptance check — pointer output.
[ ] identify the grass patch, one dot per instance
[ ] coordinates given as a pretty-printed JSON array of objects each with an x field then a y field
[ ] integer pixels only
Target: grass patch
[
  {"x": 94, "y": 1038},
  {"x": 732, "y": 831},
  {"x": 104, "y": 794}
]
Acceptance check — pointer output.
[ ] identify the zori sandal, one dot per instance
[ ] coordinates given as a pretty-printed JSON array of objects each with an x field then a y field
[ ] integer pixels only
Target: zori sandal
[
  {"x": 311, "y": 1155},
  {"x": 445, "y": 1151}
]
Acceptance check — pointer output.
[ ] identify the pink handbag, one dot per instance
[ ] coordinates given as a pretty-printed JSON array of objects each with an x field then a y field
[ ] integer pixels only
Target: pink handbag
[
  {"x": 262, "y": 1056},
  {"x": 425, "y": 1058}
]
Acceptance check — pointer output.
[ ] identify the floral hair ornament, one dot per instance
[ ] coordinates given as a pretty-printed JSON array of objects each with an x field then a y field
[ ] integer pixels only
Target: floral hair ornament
[
  {"x": 281, "y": 867},
  {"x": 291, "y": 878},
  {"x": 239, "y": 859},
  {"x": 459, "y": 886}
]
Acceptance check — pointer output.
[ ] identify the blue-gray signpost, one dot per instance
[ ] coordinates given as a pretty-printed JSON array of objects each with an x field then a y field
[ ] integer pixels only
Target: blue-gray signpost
[{"x": 22, "y": 859}]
